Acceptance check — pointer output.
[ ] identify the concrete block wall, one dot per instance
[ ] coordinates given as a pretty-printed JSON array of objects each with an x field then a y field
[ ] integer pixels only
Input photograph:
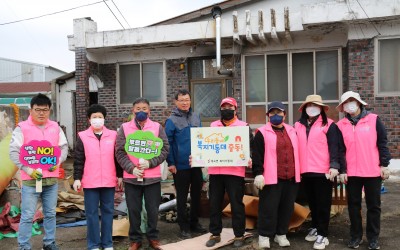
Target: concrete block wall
[{"x": 361, "y": 79}]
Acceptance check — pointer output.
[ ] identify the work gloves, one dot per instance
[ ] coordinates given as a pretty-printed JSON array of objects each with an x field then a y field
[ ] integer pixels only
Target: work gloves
[
  {"x": 385, "y": 173},
  {"x": 33, "y": 173},
  {"x": 259, "y": 182},
  {"x": 343, "y": 178},
  {"x": 333, "y": 172},
  {"x": 144, "y": 164},
  {"x": 138, "y": 172},
  {"x": 77, "y": 185}
]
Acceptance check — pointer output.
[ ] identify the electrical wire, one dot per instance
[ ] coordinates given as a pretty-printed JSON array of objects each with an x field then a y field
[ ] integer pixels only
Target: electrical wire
[
  {"x": 57, "y": 12},
  {"x": 369, "y": 19},
  {"x": 120, "y": 13},
  {"x": 113, "y": 14}
]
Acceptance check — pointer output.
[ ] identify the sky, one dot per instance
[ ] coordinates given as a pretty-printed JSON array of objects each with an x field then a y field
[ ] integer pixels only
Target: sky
[{"x": 44, "y": 41}]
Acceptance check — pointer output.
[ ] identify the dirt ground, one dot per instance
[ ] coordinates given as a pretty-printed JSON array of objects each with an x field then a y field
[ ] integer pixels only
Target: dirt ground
[{"x": 75, "y": 238}]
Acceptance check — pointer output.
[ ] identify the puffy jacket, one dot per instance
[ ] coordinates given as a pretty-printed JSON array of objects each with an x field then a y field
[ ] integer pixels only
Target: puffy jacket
[{"x": 177, "y": 128}]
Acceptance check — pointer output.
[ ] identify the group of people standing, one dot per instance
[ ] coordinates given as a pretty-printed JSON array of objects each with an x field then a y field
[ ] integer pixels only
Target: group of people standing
[{"x": 315, "y": 151}]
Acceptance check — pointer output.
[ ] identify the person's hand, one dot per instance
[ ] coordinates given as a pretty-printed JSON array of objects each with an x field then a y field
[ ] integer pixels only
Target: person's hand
[
  {"x": 385, "y": 173},
  {"x": 190, "y": 160},
  {"x": 120, "y": 185},
  {"x": 51, "y": 169},
  {"x": 138, "y": 172},
  {"x": 77, "y": 185},
  {"x": 33, "y": 173},
  {"x": 144, "y": 164},
  {"x": 249, "y": 163},
  {"x": 259, "y": 182},
  {"x": 333, "y": 172},
  {"x": 343, "y": 178},
  {"x": 172, "y": 169}
]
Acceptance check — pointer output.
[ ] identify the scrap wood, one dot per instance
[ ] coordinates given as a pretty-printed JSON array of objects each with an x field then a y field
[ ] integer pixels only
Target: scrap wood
[{"x": 199, "y": 243}]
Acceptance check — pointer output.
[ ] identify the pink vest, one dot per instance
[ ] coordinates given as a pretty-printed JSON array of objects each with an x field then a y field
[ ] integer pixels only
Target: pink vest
[
  {"x": 51, "y": 133},
  {"x": 313, "y": 151},
  {"x": 130, "y": 128},
  {"x": 362, "y": 153},
  {"x": 99, "y": 170},
  {"x": 238, "y": 171},
  {"x": 270, "y": 160}
]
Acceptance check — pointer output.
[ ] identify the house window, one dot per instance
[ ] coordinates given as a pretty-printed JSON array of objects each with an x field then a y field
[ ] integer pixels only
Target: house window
[
  {"x": 141, "y": 80},
  {"x": 290, "y": 77},
  {"x": 386, "y": 67}
]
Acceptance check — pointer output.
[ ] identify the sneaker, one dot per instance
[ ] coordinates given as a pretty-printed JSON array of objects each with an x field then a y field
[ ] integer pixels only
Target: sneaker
[
  {"x": 354, "y": 243},
  {"x": 238, "y": 241},
  {"x": 282, "y": 240},
  {"x": 263, "y": 242},
  {"x": 373, "y": 244},
  {"x": 185, "y": 234},
  {"x": 52, "y": 246},
  {"x": 321, "y": 242},
  {"x": 108, "y": 248},
  {"x": 214, "y": 239},
  {"x": 312, "y": 234}
]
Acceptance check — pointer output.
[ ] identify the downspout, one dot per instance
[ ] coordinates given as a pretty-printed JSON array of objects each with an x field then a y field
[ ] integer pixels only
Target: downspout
[{"x": 216, "y": 13}]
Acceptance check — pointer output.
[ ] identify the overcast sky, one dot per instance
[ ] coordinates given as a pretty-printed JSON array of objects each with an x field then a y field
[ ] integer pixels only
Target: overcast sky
[{"x": 44, "y": 40}]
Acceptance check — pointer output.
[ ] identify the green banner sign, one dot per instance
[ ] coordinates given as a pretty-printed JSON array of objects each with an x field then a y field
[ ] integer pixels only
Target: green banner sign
[{"x": 143, "y": 144}]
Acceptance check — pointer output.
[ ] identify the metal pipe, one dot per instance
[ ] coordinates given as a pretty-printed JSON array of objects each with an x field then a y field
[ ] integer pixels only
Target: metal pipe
[{"x": 216, "y": 13}]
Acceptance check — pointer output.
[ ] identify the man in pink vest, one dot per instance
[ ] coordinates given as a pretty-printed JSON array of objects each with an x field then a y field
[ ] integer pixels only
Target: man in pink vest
[
  {"x": 95, "y": 170},
  {"x": 142, "y": 178},
  {"x": 367, "y": 159},
  {"x": 229, "y": 179},
  {"x": 277, "y": 170},
  {"x": 319, "y": 139},
  {"x": 38, "y": 127}
]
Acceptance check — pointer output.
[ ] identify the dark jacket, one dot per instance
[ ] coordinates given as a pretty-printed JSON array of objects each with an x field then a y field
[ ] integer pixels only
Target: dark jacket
[{"x": 177, "y": 128}]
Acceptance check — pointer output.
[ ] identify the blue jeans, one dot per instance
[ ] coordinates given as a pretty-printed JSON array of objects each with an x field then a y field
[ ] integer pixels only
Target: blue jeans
[
  {"x": 94, "y": 196},
  {"x": 29, "y": 199}
]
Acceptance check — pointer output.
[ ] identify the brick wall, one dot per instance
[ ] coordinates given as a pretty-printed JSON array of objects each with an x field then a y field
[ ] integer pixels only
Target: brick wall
[
  {"x": 361, "y": 80},
  {"x": 82, "y": 88}
]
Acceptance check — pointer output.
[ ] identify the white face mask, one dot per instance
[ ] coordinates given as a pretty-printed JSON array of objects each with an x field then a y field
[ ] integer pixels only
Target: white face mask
[
  {"x": 313, "y": 111},
  {"x": 97, "y": 123},
  {"x": 350, "y": 107}
]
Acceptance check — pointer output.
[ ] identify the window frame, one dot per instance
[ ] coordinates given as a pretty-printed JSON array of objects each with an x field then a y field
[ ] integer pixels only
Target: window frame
[
  {"x": 290, "y": 102},
  {"x": 163, "y": 83},
  {"x": 376, "y": 68}
]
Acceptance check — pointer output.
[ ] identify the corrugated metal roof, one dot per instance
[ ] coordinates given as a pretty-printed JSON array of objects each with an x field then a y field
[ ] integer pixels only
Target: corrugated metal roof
[{"x": 24, "y": 87}]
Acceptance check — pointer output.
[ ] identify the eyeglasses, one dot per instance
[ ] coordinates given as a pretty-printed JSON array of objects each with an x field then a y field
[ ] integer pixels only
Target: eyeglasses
[
  {"x": 41, "y": 110},
  {"x": 183, "y": 101}
]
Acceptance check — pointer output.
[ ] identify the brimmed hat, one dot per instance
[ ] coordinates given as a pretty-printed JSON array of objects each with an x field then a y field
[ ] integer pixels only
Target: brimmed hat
[
  {"x": 230, "y": 101},
  {"x": 276, "y": 105},
  {"x": 348, "y": 95},
  {"x": 316, "y": 99}
]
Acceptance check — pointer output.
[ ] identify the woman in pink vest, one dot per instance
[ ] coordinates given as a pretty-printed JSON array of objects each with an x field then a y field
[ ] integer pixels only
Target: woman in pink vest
[
  {"x": 229, "y": 179},
  {"x": 95, "y": 170},
  {"x": 367, "y": 158},
  {"x": 142, "y": 177},
  {"x": 277, "y": 170},
  {"x": 319, "y": 139}
]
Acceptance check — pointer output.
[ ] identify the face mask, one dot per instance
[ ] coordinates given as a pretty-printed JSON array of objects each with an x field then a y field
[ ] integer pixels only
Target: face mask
[
  {"x": 350, "y": 107},
  {"x": 97, "y": 123},
  {"x": 227, "y": 114},
  {"x": 313, "y": 111},
  {"x": 141, "y": 116},
  {"x": 276, "y": 119}
]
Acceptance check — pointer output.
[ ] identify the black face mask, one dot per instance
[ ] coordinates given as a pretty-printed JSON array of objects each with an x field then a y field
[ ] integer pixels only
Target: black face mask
[{"x": 227, "y": 114}]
